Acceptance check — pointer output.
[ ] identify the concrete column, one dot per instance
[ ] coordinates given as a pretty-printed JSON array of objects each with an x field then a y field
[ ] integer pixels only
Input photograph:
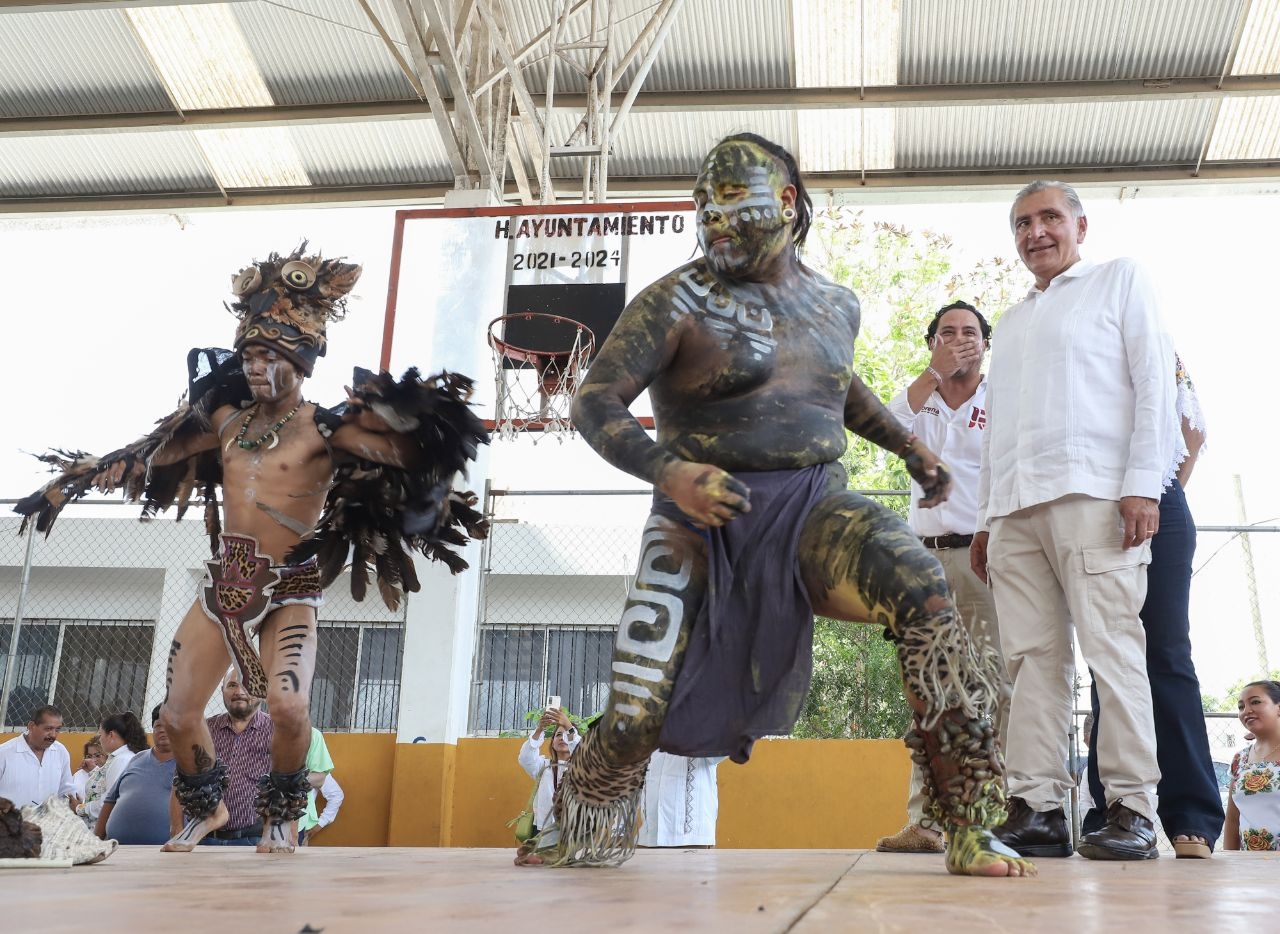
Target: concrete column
[{"x": 439, "y": 644}]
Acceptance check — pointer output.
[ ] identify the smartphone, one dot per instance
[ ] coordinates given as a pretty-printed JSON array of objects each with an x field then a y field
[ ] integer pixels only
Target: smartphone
[{"x": 553, "y": 702}]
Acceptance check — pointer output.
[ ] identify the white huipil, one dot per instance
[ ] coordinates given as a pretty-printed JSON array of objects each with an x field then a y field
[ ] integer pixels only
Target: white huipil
[{"x": 680, "y": 801}]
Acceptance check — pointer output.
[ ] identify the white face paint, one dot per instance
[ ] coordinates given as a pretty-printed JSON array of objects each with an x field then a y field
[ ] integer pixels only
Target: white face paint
[
  {"x": 271, "y": 377},
  {"x": 759, "y": 204}
]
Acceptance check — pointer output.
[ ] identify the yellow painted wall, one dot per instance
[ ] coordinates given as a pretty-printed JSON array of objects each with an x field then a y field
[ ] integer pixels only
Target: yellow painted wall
[
  {"x": 491, "y": 789},
  {"x": 364, "y": 765},
  {"x": 814, "y": 793},
  {"x": 838, "y": 794}
]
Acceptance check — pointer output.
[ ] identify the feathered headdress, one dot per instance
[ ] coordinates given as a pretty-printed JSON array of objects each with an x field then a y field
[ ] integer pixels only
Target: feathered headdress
[{"x": 285, "y": 303}]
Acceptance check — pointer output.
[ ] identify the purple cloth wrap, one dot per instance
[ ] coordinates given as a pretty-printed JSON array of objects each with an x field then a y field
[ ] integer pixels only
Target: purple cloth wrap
[{"x": 747, "y": 667}]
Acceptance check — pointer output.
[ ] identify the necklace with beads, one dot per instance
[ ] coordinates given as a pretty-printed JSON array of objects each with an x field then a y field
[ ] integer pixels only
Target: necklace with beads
[{"x": 270, "y": 437}]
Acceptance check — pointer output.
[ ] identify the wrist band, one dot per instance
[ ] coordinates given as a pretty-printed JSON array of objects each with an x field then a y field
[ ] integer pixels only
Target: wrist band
[
  {"x": 934, "y": 373},
  {"x": 902, "y": 451}
]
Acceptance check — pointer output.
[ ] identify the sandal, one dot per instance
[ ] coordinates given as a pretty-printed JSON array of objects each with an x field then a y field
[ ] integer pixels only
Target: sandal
[
  {"x": 1191, "y": 846},
  {"x": 911, "y": 839}
]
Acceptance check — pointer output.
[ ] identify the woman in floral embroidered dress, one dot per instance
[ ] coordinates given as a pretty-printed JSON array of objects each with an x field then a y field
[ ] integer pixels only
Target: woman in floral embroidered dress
[{"x": 1253, "y": 813}]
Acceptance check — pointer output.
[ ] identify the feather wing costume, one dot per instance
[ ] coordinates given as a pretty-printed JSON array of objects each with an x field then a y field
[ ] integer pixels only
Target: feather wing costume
[{"x": 375, "y": 515}]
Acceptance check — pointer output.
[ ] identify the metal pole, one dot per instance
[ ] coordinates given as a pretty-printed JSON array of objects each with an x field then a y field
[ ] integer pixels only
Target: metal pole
[
  {"x": 1264, "y": 670},
  {"x": 10, "y": 670},
  {"x": 486, "y": 567}
]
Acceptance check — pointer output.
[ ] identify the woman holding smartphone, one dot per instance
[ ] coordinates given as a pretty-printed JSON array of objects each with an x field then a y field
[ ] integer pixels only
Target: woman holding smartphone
[{"x": 547, "y": 771}]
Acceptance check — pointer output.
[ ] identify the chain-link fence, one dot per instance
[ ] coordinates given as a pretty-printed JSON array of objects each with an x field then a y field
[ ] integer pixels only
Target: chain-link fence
[
  {"x": 557, "y": 570},
  {"x": 98, "y": 602},
  {"x": 1226, "y": 736}
]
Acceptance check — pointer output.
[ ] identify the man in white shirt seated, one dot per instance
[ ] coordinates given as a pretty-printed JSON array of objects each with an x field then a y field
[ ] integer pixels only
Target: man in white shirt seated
[
  {"x": 1080, "y": 400},
  {"x": 35, "y": 766},
  {"x": 945, "y": 407}
]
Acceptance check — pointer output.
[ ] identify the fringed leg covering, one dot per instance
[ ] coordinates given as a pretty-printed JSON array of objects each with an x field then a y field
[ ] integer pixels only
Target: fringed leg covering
[
  {"x": 598, "y": 809},
  {"x": 200, "y": 794},
  {"x": 944, "y": 669},
  {"x": 282, "y": 796},
  {"x": 954, "y": 741},
  {"x": 964, "y": 778}
]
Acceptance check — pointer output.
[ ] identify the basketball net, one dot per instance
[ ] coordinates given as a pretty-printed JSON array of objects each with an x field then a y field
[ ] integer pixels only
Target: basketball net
[{"x": 535, "y": 387}]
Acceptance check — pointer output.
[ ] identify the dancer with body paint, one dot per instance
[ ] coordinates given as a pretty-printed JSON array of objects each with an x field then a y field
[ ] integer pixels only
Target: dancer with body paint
[
  {"x": 302, "y": 487},
  {"x": 748, "y": 359}
]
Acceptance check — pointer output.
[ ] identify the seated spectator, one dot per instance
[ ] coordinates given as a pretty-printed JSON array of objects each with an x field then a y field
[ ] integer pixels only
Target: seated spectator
[
  {"x": 95, "y": 789},
  {"x": 1253, "y": 810},
  {"x": 136, "y": 808},
  {"x": 94, "y": 757},
  {"x": 333, "y": 796},
  {"x": 122, "y": 738},
  {"x": 547, "y": 771},
  {"x": 35, "y": 767},
  {"x": 319, "y": 765}
]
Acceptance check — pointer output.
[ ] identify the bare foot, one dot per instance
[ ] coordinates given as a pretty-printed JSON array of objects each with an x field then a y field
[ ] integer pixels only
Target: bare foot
[
  {"x": 526, "y": 856},
  {"x": 975, "y": 851},
  {"x": 1191, "y": 846},
  {"x": 279, "y": 836},
  {"x": 186, "y": 839}
]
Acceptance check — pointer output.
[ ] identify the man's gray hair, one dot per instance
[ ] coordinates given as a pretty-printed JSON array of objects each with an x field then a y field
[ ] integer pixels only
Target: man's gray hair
[{"x": 1073, "y": 199}]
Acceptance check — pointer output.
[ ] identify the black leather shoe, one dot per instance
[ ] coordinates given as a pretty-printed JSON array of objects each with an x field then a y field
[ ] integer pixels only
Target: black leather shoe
[
  {"x": 1128, "y": 835},
  {"x": 1035, "y": 833}
]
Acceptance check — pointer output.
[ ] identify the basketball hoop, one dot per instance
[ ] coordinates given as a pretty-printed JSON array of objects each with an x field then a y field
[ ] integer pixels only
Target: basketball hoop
[{"x": 539, "y": 360}]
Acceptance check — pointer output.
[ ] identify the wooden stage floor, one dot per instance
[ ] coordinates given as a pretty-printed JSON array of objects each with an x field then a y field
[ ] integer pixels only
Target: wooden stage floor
[{"x": 373, "y": 890}]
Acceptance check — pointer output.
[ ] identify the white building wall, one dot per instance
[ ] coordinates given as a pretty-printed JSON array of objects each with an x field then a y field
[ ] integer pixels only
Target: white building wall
[{"x": 116, "y": 567}]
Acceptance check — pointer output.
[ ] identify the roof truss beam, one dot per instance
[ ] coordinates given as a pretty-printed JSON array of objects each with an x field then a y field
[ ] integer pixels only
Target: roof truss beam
[
  {"x": 1232, "y": 173},
  {"x": 1080, "y": 92}
]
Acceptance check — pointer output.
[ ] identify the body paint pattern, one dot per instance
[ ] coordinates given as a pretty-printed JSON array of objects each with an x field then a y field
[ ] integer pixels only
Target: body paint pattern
[
  {"x": 651, "y": 624},
  {"x": 291, "y": 645},
  {"x": 695, "y": 294},
  {"x": 598, "y": 804}
]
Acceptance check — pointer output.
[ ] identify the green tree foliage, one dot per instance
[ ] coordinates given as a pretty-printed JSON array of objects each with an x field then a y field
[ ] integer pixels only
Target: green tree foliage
[
  {"x": 902, "y": 278},
  {"x": 1230, "y": 701}
]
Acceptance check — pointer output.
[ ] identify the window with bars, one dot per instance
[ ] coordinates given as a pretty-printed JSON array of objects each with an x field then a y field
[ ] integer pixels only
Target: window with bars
[
  {"x": 519, "y": 666},
  {"x": 88, "y": 668},
  {"x": 357, "y": 681}
]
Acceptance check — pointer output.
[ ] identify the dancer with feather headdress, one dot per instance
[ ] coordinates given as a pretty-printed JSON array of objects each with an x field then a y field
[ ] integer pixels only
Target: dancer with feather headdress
[{"x": 304, "y": 488}]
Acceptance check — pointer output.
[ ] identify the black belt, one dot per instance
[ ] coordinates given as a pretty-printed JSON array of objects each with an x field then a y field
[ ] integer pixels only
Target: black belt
[
  {"x": 224, "y": 834},
  {"x": 950, "y": 540}
]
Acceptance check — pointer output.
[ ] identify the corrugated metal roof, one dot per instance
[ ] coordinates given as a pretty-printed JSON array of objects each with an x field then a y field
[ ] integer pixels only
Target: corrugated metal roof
[
  {"x": 1247, "y": 129},
  {"x": 675, "y": 144},
  {"x": 98, "y": 65},
  {"x": 405, "y": 152},
  {"x": 846, "y": 140},
  {"x": 1260, "y": 45},
  {"x": 254, "y": 157},
  {"x": 714, "y": 46},
  {"x": 327, "y": 52},
  {"x": 711, "y": 45},
  {"x": 1108, "y": 134},
  {"x": 324, "y": 59},
  {"x": 67, "y": 165},
  {"x": 201, "y": 56},
  {"x": 999, "y": 41},
  {"x": 833, "y": 50}
]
